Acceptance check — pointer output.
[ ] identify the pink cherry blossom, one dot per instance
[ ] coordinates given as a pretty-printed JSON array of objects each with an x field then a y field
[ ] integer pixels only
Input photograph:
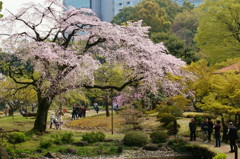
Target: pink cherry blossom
[{"x": 48, "y": 36}]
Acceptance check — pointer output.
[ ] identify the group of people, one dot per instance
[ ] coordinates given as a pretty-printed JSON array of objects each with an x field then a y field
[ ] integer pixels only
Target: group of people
[
  {"x": 78, "y": 112},
  {"x": 56, "y": 120},
  {"x": 207, "y": 127}
]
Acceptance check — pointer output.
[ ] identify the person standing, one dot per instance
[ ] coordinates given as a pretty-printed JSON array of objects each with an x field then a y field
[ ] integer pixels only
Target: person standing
[
  {"x": 84, "y": 109},
  {"x": 97, "y": 109},
  {"x": 6, "y": 111},
  {"x": 232, "y": 136},
  {"x": 204, "y": 128},
  {"x": 60, "y": 121},
  {"x": 34, "y": 105},
  {"x": 210, "y": 129},
  {"x": 52, "y": 118},
  {"x": 95, "y": 105},
  {"x": 192, "y": 127},
  {"x": 217, "y": 128}
]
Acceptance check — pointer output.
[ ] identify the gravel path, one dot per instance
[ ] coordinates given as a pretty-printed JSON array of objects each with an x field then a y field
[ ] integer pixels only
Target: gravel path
[{"x": 225, "y": 148}]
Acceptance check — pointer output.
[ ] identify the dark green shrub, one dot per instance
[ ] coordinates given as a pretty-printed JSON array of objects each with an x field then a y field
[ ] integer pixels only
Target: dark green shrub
[
  {"x": 45, "y": 144},
  {"x": 119, "y": 149},
  {"x": 93, "y": 137},
  {"x": 159, "y": 137},
  {"x": 178, "y": 145},
  {"x": 135, "y": 138},
  {"x": 16, "y": 137},
  {"x": 160, "y": 145},
  {"x": 167, "y": 118},
  {"x": 160, "y": 115},
  {"x": 11, "y": 151},
  {"x": 67, "y": 138},
  {"x": 200, "y": 152},
  {"x": 199, "y": 120},
  {"x": 172, "y": 128},
  {"x": 57, "y": 139}
]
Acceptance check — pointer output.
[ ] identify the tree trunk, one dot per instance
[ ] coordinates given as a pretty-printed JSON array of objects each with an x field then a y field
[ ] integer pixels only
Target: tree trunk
[
  {"x": 10, "y": 112},
  {"x": 235, "y": 120},
  {"x": 107, "y": 106},
  {"x": 154, "y": 105},
  {"x": 40, "y": 123},
  {"x": 12, "y": 108},
  {"x": 238, "y": 121},
  {"x": 225, "y": 130},
  {"x": 143, "y": 104}
]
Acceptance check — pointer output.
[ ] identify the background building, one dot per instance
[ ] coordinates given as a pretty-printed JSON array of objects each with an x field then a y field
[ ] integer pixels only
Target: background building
[
  {"x": 195, "y": 2},
  {"x": 107, "y": 9},
  {"x": 78, "y": 3},
  {"x": 120, "y": 4}
]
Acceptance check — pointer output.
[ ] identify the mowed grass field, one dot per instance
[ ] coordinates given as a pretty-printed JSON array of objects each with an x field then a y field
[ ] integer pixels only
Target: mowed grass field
[
  {"x": 97, "y": 123},
  {"x": 17, "y": 122}
]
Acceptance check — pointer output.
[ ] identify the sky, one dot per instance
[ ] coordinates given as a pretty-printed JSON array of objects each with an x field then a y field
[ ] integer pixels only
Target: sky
[{"x": 14, "y": 5}]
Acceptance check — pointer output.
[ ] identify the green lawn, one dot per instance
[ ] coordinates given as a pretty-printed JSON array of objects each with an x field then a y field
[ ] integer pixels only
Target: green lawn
[
  {"x": 33, "y": 141},
  {"x": 16, "y": 123},
  {"x": 184, "y": 129}
]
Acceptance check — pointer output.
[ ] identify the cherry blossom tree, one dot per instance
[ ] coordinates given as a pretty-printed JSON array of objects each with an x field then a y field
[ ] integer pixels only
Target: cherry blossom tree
[{"x": 48, "y": 36}]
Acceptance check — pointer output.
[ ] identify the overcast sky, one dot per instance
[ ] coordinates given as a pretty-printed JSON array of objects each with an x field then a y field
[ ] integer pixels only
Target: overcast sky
[{"x": 14, "y": 5}]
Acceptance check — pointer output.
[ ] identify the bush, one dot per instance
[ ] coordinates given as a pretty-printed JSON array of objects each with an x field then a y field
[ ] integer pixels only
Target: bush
[
  {"x": 67, "y": 138},
  {"x": 220, "y": 156},
  {"x": 167, "y": 119},
  {"x": 199, "y": 120},
  {"x": 16, "y": 137},
  {"x": 133, "y": 118},
  {"x": 135, "y": 138},
  {"x": 178, "y": 145},
  {"x": 93, "y": 137},
  {"x": 159, "y": 137},
  {"x": 200, "y": 152},
  {"x": 45, "y": 144},
  {"x": 172, "y": 129},
  {"x": 57, "y": 139}
]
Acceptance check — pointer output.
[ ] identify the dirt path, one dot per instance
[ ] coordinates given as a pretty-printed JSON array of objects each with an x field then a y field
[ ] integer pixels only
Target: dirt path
[{"x": 225, "y": 148}]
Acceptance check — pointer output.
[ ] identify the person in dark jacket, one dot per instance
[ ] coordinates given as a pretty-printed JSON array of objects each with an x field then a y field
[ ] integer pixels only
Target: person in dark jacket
[
  {"x": 210, "y": 129},
  {"x": 217, "y": 128},
  {"x": 232, "y": 136},
  {"x": 204, "y": 128},
  {"x": 192, "y": 127}
]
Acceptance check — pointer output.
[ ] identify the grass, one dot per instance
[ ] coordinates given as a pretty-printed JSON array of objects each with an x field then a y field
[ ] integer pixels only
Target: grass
[
  {"x": 184, "y": 129},
  {"x": 32, "y": 144},
  {"x": 16, "y": 123},
  {"x": 29, "y": 147},
  {"x": 150, "y": 124},
  {"x": 97, "y": 122},
  {"x": 196, "y": 114}
]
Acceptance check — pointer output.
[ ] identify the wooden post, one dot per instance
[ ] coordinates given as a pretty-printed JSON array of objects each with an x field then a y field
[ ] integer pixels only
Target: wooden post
[
  {"x": 112, "y": 110},
  {"x": 236, "y": 151}
]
